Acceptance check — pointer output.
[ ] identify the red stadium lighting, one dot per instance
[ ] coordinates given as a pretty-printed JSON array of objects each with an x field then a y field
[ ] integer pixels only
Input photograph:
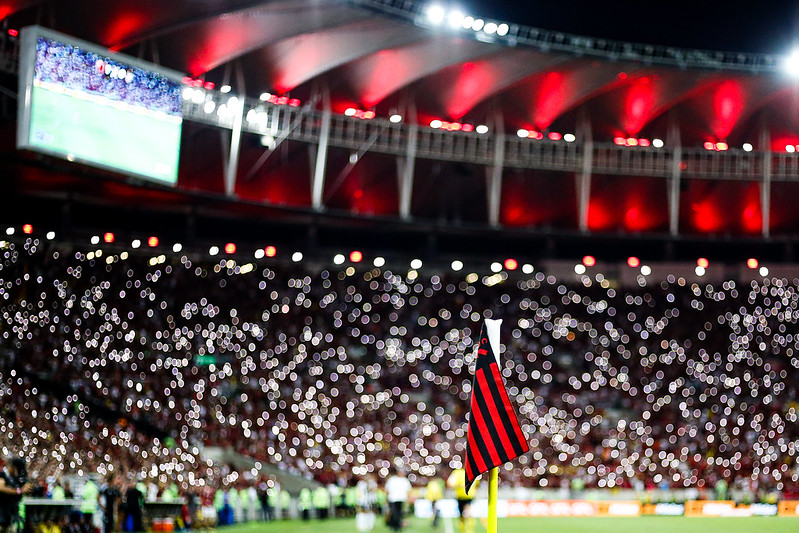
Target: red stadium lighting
[
  {"x": 270, "y": 251},
  {"x": 554, "y": 136},
  {"x": 721, "y": 147},
  {"x": 632, "y": 142},
  {"x": 709, "y": 145},
  {"x": 356, "y": 256},
  {"x": 511, "y": 264},
  {"x": 209, "y": 85},
  {"x": 702, "y": 262},
  {"x": 643, "y": 142},
  {"x": 589, "y": 260},
  {"x": 108, "y": 237},
  {"x": 633, "y": 262},
  {"x": 230, "y": 248},
  {"x": 752, "y": 263},
  {"x": 13, "y": 32},
  {"x": 621, "y": 141},
  {"x": 152, "y": 242},
  {"x": 27, "y": 229}
]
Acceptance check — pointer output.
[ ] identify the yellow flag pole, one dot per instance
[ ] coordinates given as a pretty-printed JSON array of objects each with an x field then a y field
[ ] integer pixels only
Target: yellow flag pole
[{"x": 493, "y": 482}]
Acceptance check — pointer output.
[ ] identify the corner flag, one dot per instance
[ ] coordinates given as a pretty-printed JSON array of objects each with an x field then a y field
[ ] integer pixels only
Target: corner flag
[{"x": 494, "y": 435}]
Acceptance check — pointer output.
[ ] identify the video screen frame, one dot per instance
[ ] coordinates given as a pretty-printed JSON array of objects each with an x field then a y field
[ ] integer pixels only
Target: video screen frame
[{"x": 27, "y": 63}]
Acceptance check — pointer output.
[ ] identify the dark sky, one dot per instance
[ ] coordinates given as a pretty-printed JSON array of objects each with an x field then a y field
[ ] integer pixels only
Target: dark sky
[{"x": 766, "y": 26}]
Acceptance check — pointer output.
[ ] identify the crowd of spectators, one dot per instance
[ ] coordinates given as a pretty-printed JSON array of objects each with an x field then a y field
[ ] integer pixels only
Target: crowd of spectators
[
  {"x": 69, "y": 67},
  {"x": 342, "y": 371}
]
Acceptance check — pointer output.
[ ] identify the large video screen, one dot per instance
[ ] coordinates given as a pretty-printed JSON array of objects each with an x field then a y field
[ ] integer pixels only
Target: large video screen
[{"x": 86, "y": 104}]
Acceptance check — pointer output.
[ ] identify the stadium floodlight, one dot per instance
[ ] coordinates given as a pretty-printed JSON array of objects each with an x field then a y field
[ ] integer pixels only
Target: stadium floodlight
[
  {"x": 467, "y": 22},
  {"x": 350, "y": 111},
  {"x": 490, "y": 28},
  {"x": 657, "y": 143},
  {"x": 700, "y": 271},
  {"x": 9, "y": 231},
  {"x": 528, "y": 268},
  {"x": 296, "y": 257},
  {"x": 435, "y": 14},
  {"x": 395, "y": 118},
  {"x": 436, "y": 123},
  {"x": 457, "y": 265},
  {"x": 502, "y": 29},
  {"x": 569, "y": 137},
  {"x": 264, "y": 97},
  {"x": 379, "y": 262},
  {"x": 177, "y": 247},
  {"x": 259, "y": 253},
  {"x": 481, "y": 129},
  {"x": 268, "y": 142},
  {"x": 496, "y": 267},
  {"x": 579, "y": 269},
  {"x": 416, "y": 264},
  {"x": 747, "y": 147},
  {"x": 522, "y": 133},
  {"x": 224, "y": 89},
  {"x": 478, "y": 24},
  {"x": 213, "y": 250},
  {"x": 135, "y": 244},
  {"x": 95, "y": 239},
  {"x": 791, "y": 64},
  {"x": 209, "y": 107},
  {"x": 790, "y": 148},
  {"x": 338, "y": 259},
  {"x": 50, "y": 235},
  {"x": 646, "y": 270},
  {"x": 763, "y": 271},
  {"x": 187, "y": 93},
  {"x": 198, "y": 96},
  {"x": 455, "y": 18}
]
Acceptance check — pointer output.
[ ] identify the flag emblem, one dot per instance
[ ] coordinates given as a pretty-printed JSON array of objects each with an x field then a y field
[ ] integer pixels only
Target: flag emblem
[{"x": 494, "y": 435}]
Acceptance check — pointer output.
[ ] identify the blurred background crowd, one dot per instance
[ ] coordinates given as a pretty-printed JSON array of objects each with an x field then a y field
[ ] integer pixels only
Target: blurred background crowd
[{"x": 127, "y": 364}]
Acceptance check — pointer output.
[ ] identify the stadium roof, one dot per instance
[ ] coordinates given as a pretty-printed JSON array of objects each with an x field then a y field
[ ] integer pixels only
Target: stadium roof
[
  {"x": 398, "y": 57},
  {"x": 380, "y": 54}
]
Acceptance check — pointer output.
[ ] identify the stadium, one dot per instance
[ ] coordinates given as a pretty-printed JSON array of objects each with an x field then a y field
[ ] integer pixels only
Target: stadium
[{"x": 247, "y": 249}]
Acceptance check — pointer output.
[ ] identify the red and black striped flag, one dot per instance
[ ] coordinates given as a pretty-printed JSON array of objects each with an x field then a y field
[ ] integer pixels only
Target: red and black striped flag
[{"x": 494, "y": 434}]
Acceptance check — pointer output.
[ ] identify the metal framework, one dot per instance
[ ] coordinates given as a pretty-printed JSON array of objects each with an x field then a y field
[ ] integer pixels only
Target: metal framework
[
  {"x": 496, "y": 151},
  {"x": 579, "y": 45}
]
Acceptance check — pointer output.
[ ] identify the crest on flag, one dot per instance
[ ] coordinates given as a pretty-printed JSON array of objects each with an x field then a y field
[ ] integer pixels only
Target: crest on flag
[{"x": 494, "y": 435}]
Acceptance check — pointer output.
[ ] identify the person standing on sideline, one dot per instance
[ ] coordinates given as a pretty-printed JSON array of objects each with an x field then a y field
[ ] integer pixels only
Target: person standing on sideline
[
  {"x": 435, "y": 491},
  {"x": 397, "y": 490},
  {"x": 457, "y": 482},
  {"x": 109, "y": 496}
]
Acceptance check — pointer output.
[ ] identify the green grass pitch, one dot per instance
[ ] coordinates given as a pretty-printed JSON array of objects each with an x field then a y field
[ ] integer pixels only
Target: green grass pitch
[{"x": 643, "y": 524}]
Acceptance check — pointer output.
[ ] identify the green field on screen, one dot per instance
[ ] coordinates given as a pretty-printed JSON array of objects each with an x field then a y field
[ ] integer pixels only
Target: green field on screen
[{"x": 100, "y": 133}]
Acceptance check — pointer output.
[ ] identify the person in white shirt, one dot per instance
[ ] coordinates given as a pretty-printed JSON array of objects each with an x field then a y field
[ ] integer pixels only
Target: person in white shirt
[{"x": 397, "y": 490}]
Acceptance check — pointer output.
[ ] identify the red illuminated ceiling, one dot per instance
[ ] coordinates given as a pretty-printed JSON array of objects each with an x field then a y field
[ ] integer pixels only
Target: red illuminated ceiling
[{"x": 371, "y": 60}]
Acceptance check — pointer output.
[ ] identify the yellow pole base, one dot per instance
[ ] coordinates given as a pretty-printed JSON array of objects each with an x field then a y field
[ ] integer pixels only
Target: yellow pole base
[{"x": 493, "y": 482}]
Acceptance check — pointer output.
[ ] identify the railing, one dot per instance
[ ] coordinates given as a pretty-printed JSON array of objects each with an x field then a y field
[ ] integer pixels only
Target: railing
[
  {"x": 378, "y": 135},
  {"x": 608, "y": 49}
]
